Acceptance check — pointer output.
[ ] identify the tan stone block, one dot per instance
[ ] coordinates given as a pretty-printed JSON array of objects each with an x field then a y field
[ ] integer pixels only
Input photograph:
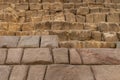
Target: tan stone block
[
  {"x": 110, "y": 37},
  {"x": 4, "y": 72},
  {"x": 46, "y": 18},
  {"x": 28, "y": 26},
  {"x": 43, "y": 26},
  {"x": 108, "y": 45},
  {"x": 62, "y": 35},
  {"x": 57, "y": 6},
  {"x": 92, "y": 44},
  {"x": 35, "y": 6},
  {"x": 90, "y": 26},
  {"x": 14, "y": 56},
  {"x": 75, "y": 58},
  {"x": 29, "y": 42},
  {"x": 36, "y": 72},
  {"x": 3, "y": 55},
  {"x": 47, "y": 0},
  {"x": 80, "y": 18},
  {"x": 80, "y": 35},
  {"x": 60, "y": 25},
  {"x": 59, "y": 17},
  {"x": 60, "y": 56},
  {"x": 68, "y": 72},
  {"x": 70, "y": 17},
  {"x": 114, "y": 27},
  {"x": 99, "y": 18},
  {"x": 14, "y": 27},
  {"x": 37, "y": 55},
  {"x": 115, "y": 1},
  {"x": 3, "y": 26},
  {"x": 23, "y": 6},
  {"x": 19, "y": 72},
  {"x": 76, "y": 26},
  {"x": 82, "y": 10},
  {"x": 89, "y": 1},
  {"x": 25, "y": 33},
  {"x": 113, "y": 17},
  {"x": 109, "y": 72},
  {"x": 68, "y": 5},
  {"x": 90, "y": 18},
  {"x": 96, "y": 35},
  {"x": 46, "y": 5},
  {"x": 50, "y": 41},
  {"x": 95, "y": 10},
  {"x": 35, "y": 1},
  {"x": 103, "y": 27}
]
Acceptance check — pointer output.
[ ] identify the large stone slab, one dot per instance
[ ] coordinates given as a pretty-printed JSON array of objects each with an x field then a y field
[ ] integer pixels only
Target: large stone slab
[
  {"x": 14, "y": 55},
  {"x": 29, "y": 41},
  {"x": 49, "y": 41},
  {"x": 100, "y": 56},
  {"x": 68, "y": 72},
  {"x": 4, "y": 72},
  {"x": 3, "y": 54},
  {"x": 36, "y": 72},
  {"x": 37, "y": 55},
  {"x": 19, "y": 72},
  {"x": 107, "y": 72},
  {"x": 60, "y": 55},
  {"x": 8, "y": 41}
]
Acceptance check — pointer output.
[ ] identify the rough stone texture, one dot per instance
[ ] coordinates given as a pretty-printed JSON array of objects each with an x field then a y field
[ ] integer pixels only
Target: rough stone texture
[
  {"x": 49, "y": 41},
  {"x": 96, "y": 35},
  {"x": 14, "y": 55},
  {"x": 100, "y": 56},
  {"x": 68, "y": 72},
  {"x": 82, "y": 10},
  {"x": 75, "y": 57},
  {"x": 107, "y": 72},
  {"x": 29, "y": 41},
  {"x": 3, "y": 54},
  {"x": 19, "y": 72},
  {"x": 36, "y": 72},
  {"x": 113, "y": 17},
  {"x": 8, "y": 41},
  {"x": 60, "y": 55},
  {"x": 4, "y": 72},
  {"x": 110, "y": 37},
  {"x": 37, "y": 55}
]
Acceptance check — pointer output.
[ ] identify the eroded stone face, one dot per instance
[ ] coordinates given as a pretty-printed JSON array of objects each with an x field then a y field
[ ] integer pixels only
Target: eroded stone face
[
  {"x": 37, "y": 55},
  {"x": 107, "y": 72},
  {"x": 68, "y": 72}
]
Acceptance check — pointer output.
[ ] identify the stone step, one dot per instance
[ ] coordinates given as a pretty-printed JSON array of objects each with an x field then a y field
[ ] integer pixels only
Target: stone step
[
  {"x": 72, "y": 56},
  {"x": 67, "y": 72}
]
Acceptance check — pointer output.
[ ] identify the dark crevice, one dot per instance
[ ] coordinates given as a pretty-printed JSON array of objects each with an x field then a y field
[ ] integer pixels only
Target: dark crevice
[
  {"x": 45, "y": 72},
  {"x": 10, "y": 72},
  {"x": 93, "y": 72},
  {"x": 27, "y": 72},
  {"x": 80, "y": 56}
]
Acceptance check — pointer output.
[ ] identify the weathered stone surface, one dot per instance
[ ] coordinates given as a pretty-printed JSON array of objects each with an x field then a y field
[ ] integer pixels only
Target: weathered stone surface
[
  {"x": 118, "y": 45},
  {"x": 27, "y": 26},
  {"x": 96, "y": 35},
  {"x": 3, "y": 54},
  {"x": 100, "y": 56},
  {"x": 56, "y": 6},
  {"x": 4, "y": 72},
  {"x": 82, "y": 10},
  {"x": 99, "y": 17},
  {"x": 19, "y": 72},
  {"x": 68, "y": 72},
  {"x": 8, "y": 41},
  {"x": 80, "y": 18},
  {"x": 80, "y": 35},
  {"x": 90, "y": 18},
  {"x": 35, "y": 6},
  {"x": 113, "y": 17},
  {"x": 49, "y": 41},
  {"x": 60, "y": 55},
  {"x": 29, "y": 41},
  {"x": 110, "y": 37},
  {"x": 14, "y": 55},
  {"x": 90, "y": 26},
  {"x": 37, "y": 55},
  {"x": 14, "y": 27},
  {"x": 70, "y": 17},
  {"x": 36, "y": 72},
  {"x": 75, "y": 57},
  {"x": 107, "y": 72},
  {"x": 58, "y": 16}
]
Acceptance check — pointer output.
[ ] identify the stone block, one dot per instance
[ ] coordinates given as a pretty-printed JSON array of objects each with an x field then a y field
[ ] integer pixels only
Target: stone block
[
  {"x": 3, "y": 55},
  {"x": 35, "y": 1},
  {"x": 4, "y": 72},
  {"x": 96, "y": 35},
  {"x": 75, "y": 57},
  {"x": 3, "y": 26},
  {"x": 49, "y": 41},
  {"x": 82, "y": 11},
  {"x": 37, "y": 55},
  {"x": 90, "y": 18},
  {"x": 43, "y": 26},
  {"x": 110, "y": 37},
  {"x": 68, "y": 72},
  {"x": 58, "y": 17},
  {"x": 80, "y": 18},
  {"x": 68, "y": 5},
  {"x": 14, "y": 27},
  {"x": 113, "y": 17},
  {"x": 36, "y": 72},
  {"x": 9, "y": 41},
  {"x": 29, "y": 41},
  {"x": 19, "y": 72},
  {"x": 56, "y": 6},
  {"x": 35, "y": 6},
  {"x": 90, "y": 26},
  {"x": 23, "y": 6},
  {"x": 14, "y": 55},
  {"x": 60, "y": 55},
  {"x": 99, "y": 17},
  {"x": 70, "y": 17},
  {"x": 28, "y": 26}
]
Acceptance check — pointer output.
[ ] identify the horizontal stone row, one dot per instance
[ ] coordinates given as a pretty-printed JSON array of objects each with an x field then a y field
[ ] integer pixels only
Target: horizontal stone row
[
  {"x": 60, "y": 25},
  {"x": 60, "y": 72},
  {"x": 59, "y": 56},
  {"x": 28, "y": 41},
  {"x": 21, "y": 16},
  {"x": 64, "y": 1}
]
